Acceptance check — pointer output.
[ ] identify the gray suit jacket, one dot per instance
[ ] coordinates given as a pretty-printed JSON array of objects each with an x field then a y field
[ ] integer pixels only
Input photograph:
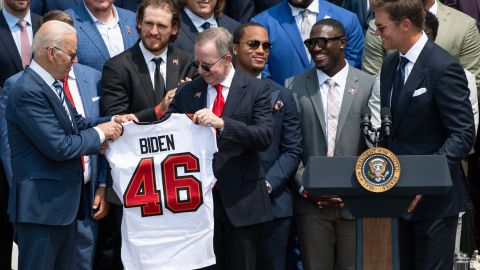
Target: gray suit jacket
[
  {"x": 349, "y": 141},
  {"x": 457, "y": 34}
]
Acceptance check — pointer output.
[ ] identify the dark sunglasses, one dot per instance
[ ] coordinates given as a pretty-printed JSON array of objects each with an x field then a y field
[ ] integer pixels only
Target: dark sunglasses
[
  {"x": 320, "y": 41},
  {"x": 254, "y": 44},
  {"x": 206, "y": 67}
]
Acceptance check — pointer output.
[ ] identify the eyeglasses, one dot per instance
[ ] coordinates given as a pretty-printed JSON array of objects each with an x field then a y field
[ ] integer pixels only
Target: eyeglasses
[
  {"x": 71, "y": 55},
  {"x": 206, "y": 67},
  {"x": 254, "y": 44},
  {"x": 320, "y": 41},
  {"x": 381, "y": 28}
]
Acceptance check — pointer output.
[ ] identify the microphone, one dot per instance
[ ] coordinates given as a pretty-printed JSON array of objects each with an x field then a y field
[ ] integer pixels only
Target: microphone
[
  {"x": 386, "y": 118},
  {"x": 366, "y": 125}
]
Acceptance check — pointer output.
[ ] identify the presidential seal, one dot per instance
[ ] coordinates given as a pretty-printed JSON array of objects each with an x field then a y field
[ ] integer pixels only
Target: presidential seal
[{"x": 377, "y": 170}]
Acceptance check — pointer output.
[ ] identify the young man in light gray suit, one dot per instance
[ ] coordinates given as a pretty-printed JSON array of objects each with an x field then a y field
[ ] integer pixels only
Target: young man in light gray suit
[{"x": 329, "y": 98}]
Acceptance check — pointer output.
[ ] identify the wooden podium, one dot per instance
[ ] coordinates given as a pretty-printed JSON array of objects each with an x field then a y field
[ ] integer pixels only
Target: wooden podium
[{"x": 376, "y": 213}]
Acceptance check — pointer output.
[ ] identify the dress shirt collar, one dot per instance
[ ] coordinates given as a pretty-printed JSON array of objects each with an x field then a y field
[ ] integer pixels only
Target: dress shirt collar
[
  {"x": 71, "y": 74},
  {"x": 434, "y": 8},
  {"x": 340, "y": 78},
  {"x": 149, "y": 56},
  {"x": 46, "y": 77},
  {"x": 313, "y": 7},
  {"x": 416, "y": 49},
  {"x": 198, "y": 21},
  {"x": 95, "y": 20},
  {"x": 12, "y": 20}
]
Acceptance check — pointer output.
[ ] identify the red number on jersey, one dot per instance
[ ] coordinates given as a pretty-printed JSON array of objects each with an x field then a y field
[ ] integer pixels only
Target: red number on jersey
[
  {"x": 141, "y": 190},
  {"x": 182, "y": 193}
]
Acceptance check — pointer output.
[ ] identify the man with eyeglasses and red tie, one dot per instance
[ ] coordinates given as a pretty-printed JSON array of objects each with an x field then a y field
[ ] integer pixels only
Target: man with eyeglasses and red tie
[
  {"x": 280, "y": 161},
  {"x": 239, "y": 107},
  {"x": 330, "y": 98}
]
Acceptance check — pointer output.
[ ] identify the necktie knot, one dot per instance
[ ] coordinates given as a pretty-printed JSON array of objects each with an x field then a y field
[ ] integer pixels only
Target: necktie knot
[
  {"x": 157, "y": 61},
  {"x": 219, "y": 88},
  {"x": 403, "y": 62},
  {"x": 331, "y": 83},
  {"x": 206, "y": 25},
  {"x": 22, "y": 23}
]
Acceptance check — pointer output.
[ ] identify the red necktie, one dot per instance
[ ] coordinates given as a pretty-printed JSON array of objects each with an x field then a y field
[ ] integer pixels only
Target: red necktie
[
  {"x": 219, "y": 102},
  {"x": 66, "y": 89}
]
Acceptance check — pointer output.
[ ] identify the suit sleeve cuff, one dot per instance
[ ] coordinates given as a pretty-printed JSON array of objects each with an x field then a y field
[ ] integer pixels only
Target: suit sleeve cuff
[{"x": 100, "y": 134}]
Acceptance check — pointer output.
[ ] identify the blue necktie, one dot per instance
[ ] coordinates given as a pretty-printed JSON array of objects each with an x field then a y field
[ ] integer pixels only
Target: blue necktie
[
  {"x": 205, "y": 25},
  {"x": 398, "y": 81},
  {"x": 61, "y": 96}
]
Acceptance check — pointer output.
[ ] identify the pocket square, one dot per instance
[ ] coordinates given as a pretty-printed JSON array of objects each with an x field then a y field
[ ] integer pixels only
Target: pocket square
[
  {"x": 95, "y": 99},
  {"x": 420, "y": 91}
]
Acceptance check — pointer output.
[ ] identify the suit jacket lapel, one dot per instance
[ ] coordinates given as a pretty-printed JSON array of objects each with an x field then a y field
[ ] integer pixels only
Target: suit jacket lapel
[
  {"x": 138, "y": 64},
  {"x": 126, "y": 29},
  {"x": 84, "y": 91},
  {"x": 290, "y": 27},
  {"x": 173, "y": 68},
  {"x": 189, "y": 28},
  {"x": 7, "y": 39},
  {"x": 63, "y": 117},
  {"x": 418, "y": 73},
  {"x": 313, "y": 90},
  {"x": 347, "y": 100},
  {"x": 87, "y": 25},
  {"x": 235, "y": 94}
]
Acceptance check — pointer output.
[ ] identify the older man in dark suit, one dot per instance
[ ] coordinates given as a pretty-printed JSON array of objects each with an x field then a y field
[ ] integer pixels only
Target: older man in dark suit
[
  {"x": 239, "y": 107},
  {"x": 427, "y": 91},
  {"x": 47, "y": 138},
  {"x": 198, "y": 16}
]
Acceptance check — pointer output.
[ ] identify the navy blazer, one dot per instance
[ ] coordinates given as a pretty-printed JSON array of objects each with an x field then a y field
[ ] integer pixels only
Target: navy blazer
[
  {"x": 188, "y": 31},
  {"x": 281, "y": 159},
  {"x": 45, "y": 150},
  {"x": 92, "y": 50},
  {"x": 288, "y": 56},
  {"x": 10, "y": 60},
  {"x": 43, "y": 6},
  {"x": 439, "y": 121},
  {"x": 247, "y": 131}
]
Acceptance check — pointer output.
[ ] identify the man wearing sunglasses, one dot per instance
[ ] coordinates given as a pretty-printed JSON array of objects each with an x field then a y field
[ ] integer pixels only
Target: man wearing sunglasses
[
  {"x": 330, "y": 98},
  {"x": 239, "y": 108},
  {"x": 280, "y": 161},
  {"x": 426, "y": 90}
]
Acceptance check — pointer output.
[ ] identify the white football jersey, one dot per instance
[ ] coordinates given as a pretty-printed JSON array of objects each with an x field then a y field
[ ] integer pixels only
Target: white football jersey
[{"x": 162, "y": 172}]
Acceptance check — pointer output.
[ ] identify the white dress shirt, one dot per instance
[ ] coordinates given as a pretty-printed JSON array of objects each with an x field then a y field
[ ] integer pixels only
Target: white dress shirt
[
  {"x": 212, "y": 92},
  {"x": 110, "y": 32},
  {"x": 340, "y": 83},
  {"x": 148, "y": 56},
  {"x": 15, "y": 29},
  {"x": 198, "y": 21}
]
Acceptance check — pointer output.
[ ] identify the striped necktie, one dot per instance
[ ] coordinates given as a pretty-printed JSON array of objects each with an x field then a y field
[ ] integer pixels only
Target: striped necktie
[
  {"x": 333, "y": 111},
  {"x": 61, "y": 96}
]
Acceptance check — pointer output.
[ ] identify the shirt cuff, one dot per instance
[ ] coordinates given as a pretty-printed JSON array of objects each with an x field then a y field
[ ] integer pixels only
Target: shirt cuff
[
  {"x": 102, "y": 185},
  {"x": 100, "y": 134},
  {"x": 159, "y": 112},
  {"x": 113, "y": 118}
]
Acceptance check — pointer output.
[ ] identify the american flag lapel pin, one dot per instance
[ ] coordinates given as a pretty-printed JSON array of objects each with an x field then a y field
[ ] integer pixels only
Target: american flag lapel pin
[
  {"x": 175, "y": 61},
  {"x": 198, "y": 94},
  {"x": 352, "y": 91},
  {"x": 129, "y": 30}
]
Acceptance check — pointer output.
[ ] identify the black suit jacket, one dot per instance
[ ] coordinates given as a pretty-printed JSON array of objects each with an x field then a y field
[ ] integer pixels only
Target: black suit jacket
[
  {"x": 437, "y": 119},
  {"x": 126, "y": 83},
  {"x": 10, "y": 60},
  {"x": 188, "y": 31},
  {"x": 247, "y": 131}
]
